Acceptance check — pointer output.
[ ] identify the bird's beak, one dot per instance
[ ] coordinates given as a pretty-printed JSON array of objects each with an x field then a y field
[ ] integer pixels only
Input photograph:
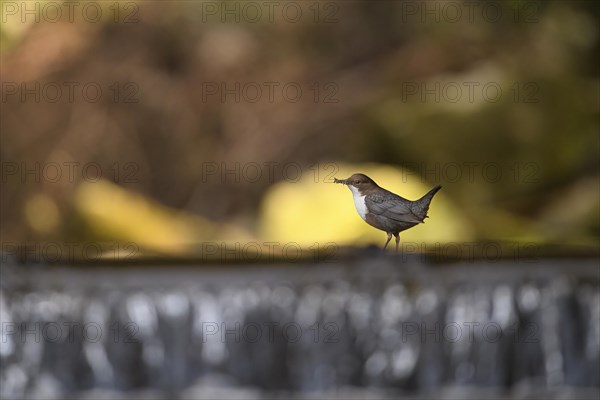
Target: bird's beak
[{"x": 342, "y": 181}]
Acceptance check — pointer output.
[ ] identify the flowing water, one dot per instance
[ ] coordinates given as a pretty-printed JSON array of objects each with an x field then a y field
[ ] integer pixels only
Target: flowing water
[{"x": 369, "y": 328}]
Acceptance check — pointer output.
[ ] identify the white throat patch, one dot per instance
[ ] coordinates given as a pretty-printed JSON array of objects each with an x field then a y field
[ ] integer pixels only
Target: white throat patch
[{"x": 359, "y": 202}]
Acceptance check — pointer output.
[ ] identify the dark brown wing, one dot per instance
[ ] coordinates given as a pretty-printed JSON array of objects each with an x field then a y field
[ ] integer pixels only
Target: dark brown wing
[{"x": 393, "y": 207}]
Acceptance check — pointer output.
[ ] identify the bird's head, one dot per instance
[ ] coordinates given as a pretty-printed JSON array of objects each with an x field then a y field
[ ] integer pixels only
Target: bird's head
[{"x": 358, "y": 182}]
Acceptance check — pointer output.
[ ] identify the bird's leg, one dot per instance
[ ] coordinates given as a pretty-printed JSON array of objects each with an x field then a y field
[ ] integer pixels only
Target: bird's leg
[
  {"x": 389, "y": 238},
  {"x": 397, "y": 235}
]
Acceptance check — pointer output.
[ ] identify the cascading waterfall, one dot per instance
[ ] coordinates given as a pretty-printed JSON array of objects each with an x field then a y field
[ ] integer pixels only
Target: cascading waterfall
[{"x": 374, "y": 327}]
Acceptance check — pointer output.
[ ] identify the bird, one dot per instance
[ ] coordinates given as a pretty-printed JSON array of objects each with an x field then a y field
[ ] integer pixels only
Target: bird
[{"x": 385, "y": 210}]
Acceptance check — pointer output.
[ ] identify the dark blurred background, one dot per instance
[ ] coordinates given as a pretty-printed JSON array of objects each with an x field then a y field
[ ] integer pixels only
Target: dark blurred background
[
  {"x": 181, "y": 102},
  {"x": 185, "y": 137}
]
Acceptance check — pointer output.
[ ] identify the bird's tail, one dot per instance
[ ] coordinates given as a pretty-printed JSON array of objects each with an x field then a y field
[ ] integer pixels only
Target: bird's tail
[{"x": 421, "y": 206}]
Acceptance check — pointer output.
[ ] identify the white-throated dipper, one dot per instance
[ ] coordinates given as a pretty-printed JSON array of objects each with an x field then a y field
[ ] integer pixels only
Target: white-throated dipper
[{"x": 385, "y": 210}]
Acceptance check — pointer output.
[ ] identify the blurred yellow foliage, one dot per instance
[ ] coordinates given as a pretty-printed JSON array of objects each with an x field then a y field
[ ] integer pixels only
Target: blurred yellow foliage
[{"x": 124, "y": 215}]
